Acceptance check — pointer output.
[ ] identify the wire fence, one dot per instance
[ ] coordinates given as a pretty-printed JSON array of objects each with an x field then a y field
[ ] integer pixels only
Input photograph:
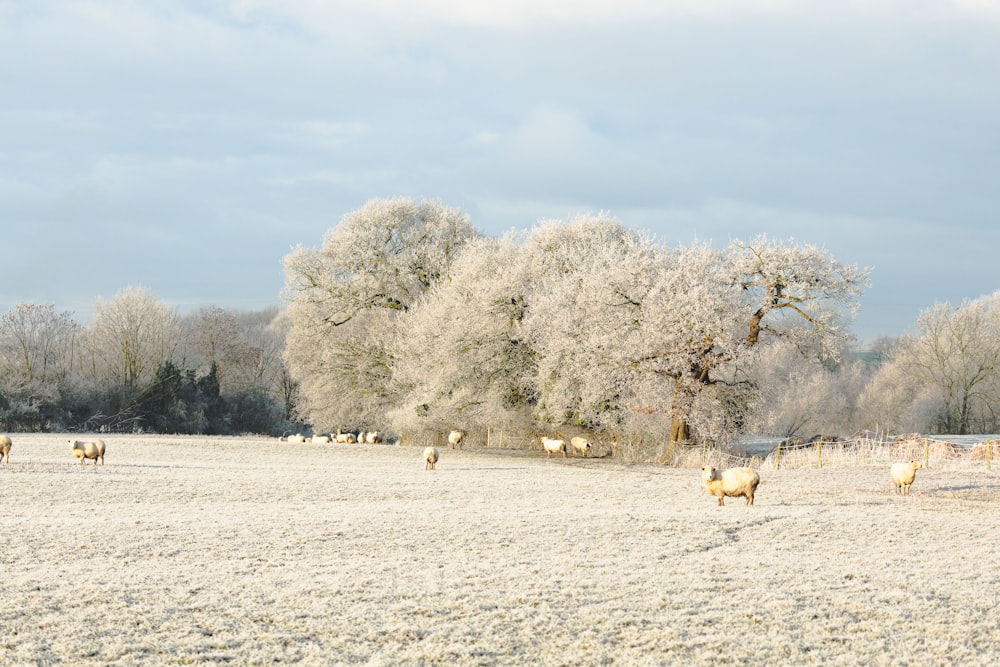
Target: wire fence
[{"x": 877, "y": 451}]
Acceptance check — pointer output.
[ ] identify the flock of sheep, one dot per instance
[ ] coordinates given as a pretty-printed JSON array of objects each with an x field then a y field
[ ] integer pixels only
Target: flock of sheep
[{"x": 732, "y": 482}]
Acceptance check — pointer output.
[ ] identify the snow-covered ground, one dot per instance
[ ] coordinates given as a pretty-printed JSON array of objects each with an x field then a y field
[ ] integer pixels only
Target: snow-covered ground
[{"x": 186, "y": 550}]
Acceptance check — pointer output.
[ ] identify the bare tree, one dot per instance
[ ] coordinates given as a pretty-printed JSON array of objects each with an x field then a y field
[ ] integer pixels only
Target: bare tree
[
  {"x": 130, "y": 336},
  {"x": 952, "y": 365},
  {"x": 36, "y": 348}
]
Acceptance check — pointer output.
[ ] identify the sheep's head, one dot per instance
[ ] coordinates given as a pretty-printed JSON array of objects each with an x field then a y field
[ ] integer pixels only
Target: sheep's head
[{"x": 708, "y": 473}]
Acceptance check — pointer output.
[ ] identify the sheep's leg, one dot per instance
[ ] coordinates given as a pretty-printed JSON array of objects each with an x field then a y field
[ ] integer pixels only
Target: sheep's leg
[{"x": 722, "y": 503}]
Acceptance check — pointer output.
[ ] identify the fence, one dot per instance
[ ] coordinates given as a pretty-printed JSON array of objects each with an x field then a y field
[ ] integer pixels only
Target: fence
[{"x": 871, "y": 451}]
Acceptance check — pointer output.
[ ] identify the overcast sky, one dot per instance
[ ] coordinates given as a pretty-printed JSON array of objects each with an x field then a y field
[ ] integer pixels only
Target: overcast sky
[{"x": 187, "y": 146}]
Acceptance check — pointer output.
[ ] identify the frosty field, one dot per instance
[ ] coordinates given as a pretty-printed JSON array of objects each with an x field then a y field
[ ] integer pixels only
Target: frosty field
[{"x": 216, "y": 551}]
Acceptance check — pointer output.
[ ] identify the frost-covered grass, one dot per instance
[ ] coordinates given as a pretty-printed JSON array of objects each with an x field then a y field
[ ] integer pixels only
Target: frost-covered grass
[{"x": 253, "y": 552}]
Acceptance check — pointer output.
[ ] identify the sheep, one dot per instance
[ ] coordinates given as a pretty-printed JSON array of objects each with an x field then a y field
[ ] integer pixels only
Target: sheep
[
  {"x": 903, "y": 475},
  {"x": 580, "y": 445},
  {"x": 551, "y": 445},
  {"x": 344, "y": 438},
  {"x": 296, "y": 439},
  {"x": 456, "y": 438},
  {"x": 5, "y": 445},
  {"x": 90, "y": 449},
  {"x": 321, "y": 439},
  {"x": 373, "y": 437},
  {"x": 734, "y": 482},
  {"x": 430, "y": 457}
]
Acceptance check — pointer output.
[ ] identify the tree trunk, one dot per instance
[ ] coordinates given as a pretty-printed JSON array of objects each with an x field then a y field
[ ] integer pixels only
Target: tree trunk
[{"x": 680, "y": 434}]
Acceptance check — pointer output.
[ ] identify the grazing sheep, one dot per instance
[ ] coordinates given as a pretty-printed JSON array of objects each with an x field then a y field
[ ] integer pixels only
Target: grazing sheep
[
  {"x": 344, "y": 438},
  {"x": 321, "y": 439},
  {"x": 430, "y": 457},
  {"x": 5, "y": 445},
  {"x": 551, "y": 446},
  {"x": 580, "y": 445},
  {"x": 90, "y": 449},
  {"x": 903, "y": 475},
  {"x": 734, "y": 482},
  {"x": 456, "y": 438},
  {"x": 296, "y": 439}
]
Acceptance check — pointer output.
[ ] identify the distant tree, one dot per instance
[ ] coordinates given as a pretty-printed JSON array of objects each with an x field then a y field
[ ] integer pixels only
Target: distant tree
[
  {"x": 951, "y": 368},
  {"x": 130, "y": 336},
  {"x": 345, "y": 297},
  {"x": 36, "y": 351}
]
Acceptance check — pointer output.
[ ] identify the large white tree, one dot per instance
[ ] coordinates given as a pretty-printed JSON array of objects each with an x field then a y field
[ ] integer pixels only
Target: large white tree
[
  {"x": 647, "y": 329},
  {"x": 345, "y": 297},
  {"x": 463, "y": 359}
]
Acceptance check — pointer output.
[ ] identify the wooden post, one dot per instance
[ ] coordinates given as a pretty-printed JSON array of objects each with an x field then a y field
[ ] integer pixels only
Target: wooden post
[
  {"x": 488, "y": 435},
  {"x": 989, "y": 460},
  {"x": 927, "y": 451},
  {"x": 777, "y": 457}
]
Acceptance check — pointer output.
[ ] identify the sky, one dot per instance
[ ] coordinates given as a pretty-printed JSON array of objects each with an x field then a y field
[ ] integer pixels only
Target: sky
[{"x": 187, "y": 146}]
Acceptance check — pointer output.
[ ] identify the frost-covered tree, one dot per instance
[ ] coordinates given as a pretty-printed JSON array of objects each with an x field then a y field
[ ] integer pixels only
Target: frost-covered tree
[
  {"x": 345, "y": 299},
  {"x": 666, "y": 331},
  {"x": 950, "y": 368},
  {"x": 36, "y": 348},
  {"x": 129, "y": 337},
  {"x": 463, "y": 359},
  {"x": 798, "y": 395}
]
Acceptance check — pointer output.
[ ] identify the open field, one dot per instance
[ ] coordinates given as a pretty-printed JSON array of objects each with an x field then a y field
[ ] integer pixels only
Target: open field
[{"x": 253, "y": 552}]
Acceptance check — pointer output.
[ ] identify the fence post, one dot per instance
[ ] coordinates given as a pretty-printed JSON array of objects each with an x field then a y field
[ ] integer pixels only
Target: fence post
[
  {"x": 819, "y": 453},
  {"x": 777, "y": 457},
  {"x": 927, "y": 451},
  {"x": 989, "y": 460}
]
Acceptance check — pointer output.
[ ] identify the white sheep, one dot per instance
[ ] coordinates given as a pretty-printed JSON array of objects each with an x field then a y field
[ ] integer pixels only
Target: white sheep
[
  {"x": 903, "y": 475},
  {"x": 430, "y": 458},
  {"x": 552, "y": 445},
  {"x": 456, "y": 439},
  {"x": 321, "y": 439},
  {"x": 5, "y": 445},
  {"x": 344, "y": 438},
  {"x": 580, "y": 445},
  {"x": 90, "y": 449},
  {"x": 734, "y": 482},
  {"x": 296, "y": 439}
]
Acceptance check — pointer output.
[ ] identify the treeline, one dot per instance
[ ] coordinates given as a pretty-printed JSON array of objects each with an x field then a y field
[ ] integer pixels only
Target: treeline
[
  {"x": 138, "y": 366},
  {"x": 408, "y": 320}
]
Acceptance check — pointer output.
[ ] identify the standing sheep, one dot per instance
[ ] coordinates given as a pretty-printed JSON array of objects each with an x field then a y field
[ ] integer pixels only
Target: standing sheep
[
  {"x": 734, "y": 482},
  {"x": 580, "y": 445},
  {"x": 551, "y": 446},
  {"x": 903, "y": 475},
  {"x": 456, "y": 438},
  {"x": 90, "y": 449},
  {"x": 5, "y": 445},
  {"x": 430, "y": 458}
]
